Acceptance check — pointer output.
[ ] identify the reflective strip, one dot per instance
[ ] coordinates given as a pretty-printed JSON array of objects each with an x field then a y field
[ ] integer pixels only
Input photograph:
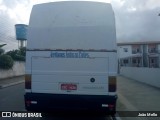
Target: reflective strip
[
  {"x": 79, "y": 49},
  {"x": 89, "y": 50},
  {"x": 69, "y": 50},
  {"x": 28, "y": 90},
  {"x": 33, "y": 102},
  {"x": 47, "y": 49},
  {"x": 104, "y": 105},
  {"x": 58, "y": 49},
  {"x": 112, "y": 93}
]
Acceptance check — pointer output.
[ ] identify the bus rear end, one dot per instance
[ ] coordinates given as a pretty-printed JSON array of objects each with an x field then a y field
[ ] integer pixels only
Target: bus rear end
[
  {"x": 71, "y": 58},
  {"x": 71, "y": 80}
]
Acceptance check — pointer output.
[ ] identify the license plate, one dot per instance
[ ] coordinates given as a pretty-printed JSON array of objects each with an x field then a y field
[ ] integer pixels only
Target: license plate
[{"x": 68, "y": 87}]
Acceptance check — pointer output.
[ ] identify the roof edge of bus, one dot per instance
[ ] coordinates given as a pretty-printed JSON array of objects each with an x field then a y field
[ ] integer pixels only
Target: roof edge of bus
[{"x": 67, "y": 1}]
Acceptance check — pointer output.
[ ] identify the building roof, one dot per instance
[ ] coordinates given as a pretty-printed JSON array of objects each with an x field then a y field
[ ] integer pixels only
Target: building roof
[{"x": 138, "y": 43}]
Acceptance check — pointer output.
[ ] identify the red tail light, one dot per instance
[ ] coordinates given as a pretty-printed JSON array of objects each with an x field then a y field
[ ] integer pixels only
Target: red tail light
[
  {"x": 111, "y": 107},
  {"x": 112, "y": 84},
  {"x": 27, "y": 81},
  {"x": 28, "y": 103}
]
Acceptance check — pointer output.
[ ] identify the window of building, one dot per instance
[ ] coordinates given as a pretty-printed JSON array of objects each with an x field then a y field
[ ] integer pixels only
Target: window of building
[
  {"x": 125, "y": 61},
  {"x": 152, "y": 48},
  {"x": 136, "y": 49},
  {"x": 134, "y": 61},
  {"x": 125, "y": 49},
  {"x": 152, "y": 60}
]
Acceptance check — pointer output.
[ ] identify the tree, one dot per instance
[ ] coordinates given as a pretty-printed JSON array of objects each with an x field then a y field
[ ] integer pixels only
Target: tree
[
  {"x": 2, "y": 45},
  {"x": 23, "y": 51},
  {"x": 2, "y": 50},
  {"x": 6, "y": 62},
  {"x": 17, "y": 55}
]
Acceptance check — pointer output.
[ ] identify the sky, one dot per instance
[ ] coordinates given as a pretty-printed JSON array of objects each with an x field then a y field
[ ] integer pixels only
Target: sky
[{"x": 136, "y": 20}]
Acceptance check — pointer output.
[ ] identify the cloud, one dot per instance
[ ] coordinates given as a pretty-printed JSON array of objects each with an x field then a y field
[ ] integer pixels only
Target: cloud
[
  {"x": 137, "y": 20},
  {"x": 7, "y": 34},
  {"x": 7, "y": 22},
  {"x": 13, "y": 3}
]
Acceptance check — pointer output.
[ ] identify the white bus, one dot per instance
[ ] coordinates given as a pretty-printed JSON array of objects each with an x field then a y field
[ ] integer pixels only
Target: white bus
[{"x": 71, "y": 57}]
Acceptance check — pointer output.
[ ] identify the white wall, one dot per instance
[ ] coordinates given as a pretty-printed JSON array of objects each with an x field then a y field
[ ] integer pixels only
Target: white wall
[
  {"x": 147, "y": 75},
  {"x": 17, "y": 70},
  {"x": 122, "y": 54},
  {"x": 159, "y": 47}
]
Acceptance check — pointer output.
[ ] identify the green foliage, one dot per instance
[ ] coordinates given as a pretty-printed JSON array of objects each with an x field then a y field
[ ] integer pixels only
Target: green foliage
[
  {"x": 1, "y": 51},
  {"x": 2, "y": 45},
  {"x": 23, "y": 51},
  {"x": 6, "y": 62},
  {"x": 17, "y": 55}
]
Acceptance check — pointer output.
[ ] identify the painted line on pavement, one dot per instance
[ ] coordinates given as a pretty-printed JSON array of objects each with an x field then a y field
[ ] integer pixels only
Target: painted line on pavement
[{"x": 11, "y": 84}]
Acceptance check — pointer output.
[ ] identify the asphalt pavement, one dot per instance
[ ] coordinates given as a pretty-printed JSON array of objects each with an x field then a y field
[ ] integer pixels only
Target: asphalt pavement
[
  {"x": 132, "y": 96},
  {"x": 136, "y": 96},
  {"x": 12, "y": 99},
  {"x": 11, "y": 81}
]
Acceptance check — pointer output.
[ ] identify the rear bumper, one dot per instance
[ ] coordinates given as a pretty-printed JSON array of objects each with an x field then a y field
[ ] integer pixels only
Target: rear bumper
[{"x": 61, "y": 102}]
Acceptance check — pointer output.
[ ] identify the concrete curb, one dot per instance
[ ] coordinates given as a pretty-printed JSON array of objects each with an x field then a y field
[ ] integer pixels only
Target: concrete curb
[
  {"x": 11, "y": 84},
  {"x": 11, "y": 77}
]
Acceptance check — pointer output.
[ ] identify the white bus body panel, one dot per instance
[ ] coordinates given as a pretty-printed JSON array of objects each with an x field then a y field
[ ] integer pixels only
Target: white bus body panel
[
  {"x": 48, "y": 73},
  {"x": 72, "y": 25},
  {"x": 76, "y": 27}
]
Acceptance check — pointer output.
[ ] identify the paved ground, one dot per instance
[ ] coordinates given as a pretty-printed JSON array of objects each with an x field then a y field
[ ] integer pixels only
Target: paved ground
[
  {"x": 137, "y": 96},
  {"x": 132, "y": 96},
  {"x": 12, "y": 99},
  {"x": 11, "y": 81}
]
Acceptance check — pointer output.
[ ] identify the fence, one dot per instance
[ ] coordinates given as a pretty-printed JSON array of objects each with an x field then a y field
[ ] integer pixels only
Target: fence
[
  {"x": 17, "y": 70},
  {"x": 150, "y": 76}
]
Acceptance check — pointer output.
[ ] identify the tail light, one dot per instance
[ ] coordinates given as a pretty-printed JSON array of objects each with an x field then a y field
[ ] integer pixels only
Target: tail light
[
  {"x": 111, "y": 107},
  {"x": 112, "y": 84},
  {"x": 28, "y": 103},
  {"x": 27, "y": 81}
]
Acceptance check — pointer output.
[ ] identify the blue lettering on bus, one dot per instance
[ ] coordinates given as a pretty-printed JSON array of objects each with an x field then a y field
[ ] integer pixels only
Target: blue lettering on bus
[
  {"x": 69, "y": 54},
  {"x": 58, "y": 55}
]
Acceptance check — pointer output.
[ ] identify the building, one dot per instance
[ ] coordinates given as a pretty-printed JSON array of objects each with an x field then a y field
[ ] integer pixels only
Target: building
[{"x": 139, "y": 54}]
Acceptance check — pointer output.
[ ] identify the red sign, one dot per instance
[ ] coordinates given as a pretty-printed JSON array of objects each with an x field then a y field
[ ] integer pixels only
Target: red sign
[{"x": 68, "y": 87}]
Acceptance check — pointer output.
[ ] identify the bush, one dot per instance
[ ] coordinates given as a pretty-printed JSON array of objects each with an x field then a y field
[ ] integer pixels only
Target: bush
[
  {"x": 6, "y": 62},
  {"x": 17, "y": 55},
  {"x": 12, "y": 53},
  {"x": 19, "y": 58},
  {"x": 23, "y": 51}
]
